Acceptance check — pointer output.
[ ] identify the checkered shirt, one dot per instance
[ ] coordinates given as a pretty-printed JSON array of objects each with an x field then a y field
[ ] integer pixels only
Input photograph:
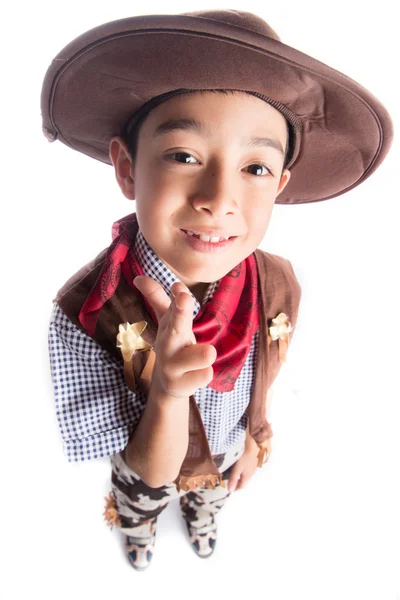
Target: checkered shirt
[{"x": 95, "y": 409}]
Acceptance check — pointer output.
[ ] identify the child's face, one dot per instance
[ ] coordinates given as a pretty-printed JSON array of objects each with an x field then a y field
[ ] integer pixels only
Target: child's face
[{"x": 209, "y": 180}]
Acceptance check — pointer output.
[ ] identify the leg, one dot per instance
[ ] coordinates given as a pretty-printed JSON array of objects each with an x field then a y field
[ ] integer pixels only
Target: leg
[
  {"x": 135, "y": 507},
  {"x": 137, "y": 504},
  {"x": 200, "y": 507}
]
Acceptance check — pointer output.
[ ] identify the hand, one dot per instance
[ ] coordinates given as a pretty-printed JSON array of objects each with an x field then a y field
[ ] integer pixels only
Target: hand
[
  {"x": 246, "y": 466},
  {"x": 181, "y": 365}
]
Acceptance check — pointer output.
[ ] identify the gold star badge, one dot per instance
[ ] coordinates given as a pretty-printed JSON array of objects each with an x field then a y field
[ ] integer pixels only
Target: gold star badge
[
  {"x": 129, "y": 340},
  {"x": 280, "y": 331}
]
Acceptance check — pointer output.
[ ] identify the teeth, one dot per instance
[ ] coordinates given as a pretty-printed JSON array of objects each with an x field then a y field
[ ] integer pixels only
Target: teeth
[{"x": 206, "y": 238}]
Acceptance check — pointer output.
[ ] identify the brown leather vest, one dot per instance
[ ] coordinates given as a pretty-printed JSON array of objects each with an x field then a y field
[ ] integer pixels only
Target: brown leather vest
[{"x": 280, "y": 293}]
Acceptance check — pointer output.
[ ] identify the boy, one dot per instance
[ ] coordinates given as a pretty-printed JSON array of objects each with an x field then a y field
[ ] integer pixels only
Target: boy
[{"x": 165, "y": 347}]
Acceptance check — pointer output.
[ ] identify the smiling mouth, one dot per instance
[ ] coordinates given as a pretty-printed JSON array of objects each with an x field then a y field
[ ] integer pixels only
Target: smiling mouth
[{"x": 206, "y": 238}]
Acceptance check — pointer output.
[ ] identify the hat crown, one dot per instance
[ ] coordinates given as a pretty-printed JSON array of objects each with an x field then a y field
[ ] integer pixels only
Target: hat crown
[{"x": 238, "y": 18}]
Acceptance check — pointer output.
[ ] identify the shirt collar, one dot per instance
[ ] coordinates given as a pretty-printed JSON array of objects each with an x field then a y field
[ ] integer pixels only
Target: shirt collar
[{"x": 154, "y": 267}]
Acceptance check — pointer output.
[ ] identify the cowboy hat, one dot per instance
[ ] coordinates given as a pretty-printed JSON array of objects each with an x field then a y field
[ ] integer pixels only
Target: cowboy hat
[{"x": 98, "y": 81}]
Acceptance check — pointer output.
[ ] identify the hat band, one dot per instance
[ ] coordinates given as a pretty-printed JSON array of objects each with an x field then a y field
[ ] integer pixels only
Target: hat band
[{"x": 294, "y": 122}]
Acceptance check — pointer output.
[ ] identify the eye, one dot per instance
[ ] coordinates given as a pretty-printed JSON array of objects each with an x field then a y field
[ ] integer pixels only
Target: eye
[
  {"x": 258, "y": 169},
  {"x": 183, "y": 157}
]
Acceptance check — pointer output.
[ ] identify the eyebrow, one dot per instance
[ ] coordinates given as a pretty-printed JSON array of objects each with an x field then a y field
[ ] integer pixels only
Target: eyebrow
[{"x": 200, "y": 127}]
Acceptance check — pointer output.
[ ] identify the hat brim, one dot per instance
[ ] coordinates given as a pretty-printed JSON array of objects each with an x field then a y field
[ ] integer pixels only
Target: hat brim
[{"x": 97, "y": 82}]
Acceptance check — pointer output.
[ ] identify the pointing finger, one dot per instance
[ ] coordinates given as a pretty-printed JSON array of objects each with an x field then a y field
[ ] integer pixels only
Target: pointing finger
[
  {"x": 182, "y": 314},
  {"x": 154, "y": 293},
  {"x": 182, "y": 311}
]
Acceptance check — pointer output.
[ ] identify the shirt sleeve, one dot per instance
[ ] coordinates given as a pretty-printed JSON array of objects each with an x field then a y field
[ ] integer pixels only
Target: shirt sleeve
[{"x": 95, "y": 409}]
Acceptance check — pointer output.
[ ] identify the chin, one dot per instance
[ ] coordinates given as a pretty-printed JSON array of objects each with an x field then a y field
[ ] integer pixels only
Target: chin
[
  {"x": 205, "y": 272},
  {"x": 201, "y": 275}
]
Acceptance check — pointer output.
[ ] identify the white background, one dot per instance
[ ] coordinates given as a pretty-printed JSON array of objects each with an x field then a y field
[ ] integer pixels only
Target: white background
[{"x": 321, "y": 519}]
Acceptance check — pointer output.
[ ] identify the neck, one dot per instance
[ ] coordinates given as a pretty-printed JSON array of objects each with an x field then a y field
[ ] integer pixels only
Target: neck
[{"x": 198, "y": 290}]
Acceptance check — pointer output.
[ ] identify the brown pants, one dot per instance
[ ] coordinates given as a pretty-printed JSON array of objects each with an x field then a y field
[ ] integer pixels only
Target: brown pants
[{"x": 139, "y": 505}]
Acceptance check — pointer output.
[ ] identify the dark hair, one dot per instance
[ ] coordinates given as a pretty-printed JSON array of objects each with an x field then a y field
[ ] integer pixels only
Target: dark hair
[{"x": 131, "y": 131}]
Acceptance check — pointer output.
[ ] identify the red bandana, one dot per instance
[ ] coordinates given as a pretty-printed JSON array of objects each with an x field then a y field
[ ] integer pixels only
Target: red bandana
[{"x": 228, "y": 321}]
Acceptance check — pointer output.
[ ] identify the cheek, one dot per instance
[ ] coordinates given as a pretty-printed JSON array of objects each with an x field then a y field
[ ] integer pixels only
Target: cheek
[
  {"x": 154, "y": 198},
  {"x": 163, "y": 192},
  {"x": 258, "y": 220}
]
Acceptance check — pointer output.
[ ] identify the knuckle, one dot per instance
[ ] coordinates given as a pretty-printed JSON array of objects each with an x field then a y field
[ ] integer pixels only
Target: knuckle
[
  {"x": 183, "y": 301},
  {"x": 212, "y": 353},
  {"x": 207, "y": 354},
  {"x": 208, "y": 375}
]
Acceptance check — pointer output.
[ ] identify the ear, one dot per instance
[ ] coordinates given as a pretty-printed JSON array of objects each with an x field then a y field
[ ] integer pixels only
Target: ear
[
  {"x": 122, "y": 161},
  {"x": 283, "y": 182}
]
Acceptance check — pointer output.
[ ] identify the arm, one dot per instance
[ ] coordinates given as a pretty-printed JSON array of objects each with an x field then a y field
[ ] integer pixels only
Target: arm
[
  {"x": 86, "y": 377},
  {"x": 158, "y": 446}
]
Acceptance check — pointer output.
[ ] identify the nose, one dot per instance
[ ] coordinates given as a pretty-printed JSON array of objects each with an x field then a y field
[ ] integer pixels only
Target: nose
[{"x": 215, "y": 193}]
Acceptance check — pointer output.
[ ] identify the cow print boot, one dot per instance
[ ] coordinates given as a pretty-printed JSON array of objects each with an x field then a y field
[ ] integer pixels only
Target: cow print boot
[
  {"x": 203, "y": 539},
  {"x": 140, "y": 550}
]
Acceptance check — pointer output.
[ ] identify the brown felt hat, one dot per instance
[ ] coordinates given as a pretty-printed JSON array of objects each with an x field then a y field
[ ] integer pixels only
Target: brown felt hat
[{"x": 341, "y": 132}]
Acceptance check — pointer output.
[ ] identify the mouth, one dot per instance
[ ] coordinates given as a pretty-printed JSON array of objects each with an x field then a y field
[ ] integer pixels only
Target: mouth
[
  {"x": 208, "y": 241},
  {"x": 211, "y": 239}
]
